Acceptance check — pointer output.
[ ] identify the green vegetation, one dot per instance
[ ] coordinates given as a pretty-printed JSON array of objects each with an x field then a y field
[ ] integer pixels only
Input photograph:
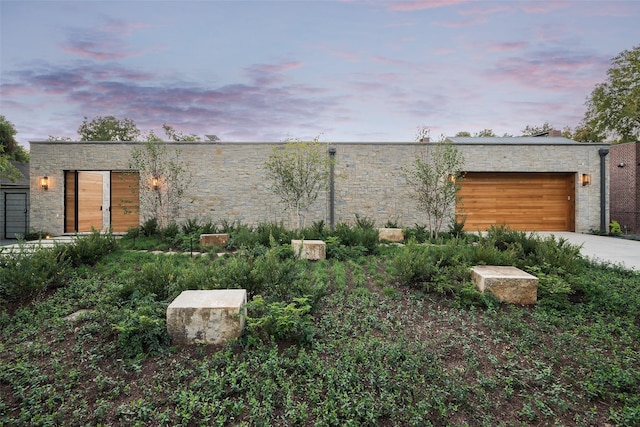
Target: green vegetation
[
  {"x": 384, "y": 335},
  {"x": 298, "y": 171}
]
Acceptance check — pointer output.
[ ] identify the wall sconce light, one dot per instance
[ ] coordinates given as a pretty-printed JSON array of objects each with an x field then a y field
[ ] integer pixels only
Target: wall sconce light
[
  {"x": 622, "y": 164},
  {"x": 585, "y": 179},
  {"x": 155, "y": 183},
  {"x": 44, "y": 182}
]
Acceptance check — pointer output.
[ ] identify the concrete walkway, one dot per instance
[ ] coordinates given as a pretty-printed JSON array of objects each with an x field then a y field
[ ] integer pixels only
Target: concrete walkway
[
  {"x": 613, "y": 250},
  {"x": 10, "y": 246}
]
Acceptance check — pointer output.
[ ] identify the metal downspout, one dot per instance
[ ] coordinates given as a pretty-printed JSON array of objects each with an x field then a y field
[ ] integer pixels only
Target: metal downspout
[
  {"x": 332, "y": 187},
  {"x": 603, "y": 188}
]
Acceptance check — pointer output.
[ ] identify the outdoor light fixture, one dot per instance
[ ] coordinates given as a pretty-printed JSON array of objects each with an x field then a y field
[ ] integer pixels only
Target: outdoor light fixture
[
  {"x": 44, "y": 182},
  {"x": 451, "y": 178},
  {"x": 154, "y": 183},
  {"x": 585, "y": 179}
]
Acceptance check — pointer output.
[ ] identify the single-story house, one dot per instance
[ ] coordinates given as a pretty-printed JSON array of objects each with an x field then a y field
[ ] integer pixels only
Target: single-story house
[
  {"x": 625, "y": 186},
  {"x": 528, "y": 183},
  {"x": 14, "y": 204}
]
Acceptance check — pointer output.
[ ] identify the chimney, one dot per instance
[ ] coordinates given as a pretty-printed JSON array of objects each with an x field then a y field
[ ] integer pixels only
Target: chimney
[
  {"x": 425, "y": 139},
  {"x": 554, "y": 133}
]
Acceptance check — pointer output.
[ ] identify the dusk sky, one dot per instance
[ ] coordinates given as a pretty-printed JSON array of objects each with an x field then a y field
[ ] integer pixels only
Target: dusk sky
[{"x": 348, "y": 70}]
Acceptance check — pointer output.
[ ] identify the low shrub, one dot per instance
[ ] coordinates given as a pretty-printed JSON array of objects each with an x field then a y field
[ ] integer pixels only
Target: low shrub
[
  {"x": 152, "y": 279},
  {"x": 366, "y": 238},
  {"x": 614, "y": 228},
  {"x": 279, "y": 320},
  {"x": 86, "y": 250},
  {"x": 365, "y": 223},
  {"x": 414, "y": 265},
  {"x": 191, "y": 226},
  {"x": 316, "y": 231},
  {"x": 336, "y": 250},
  {"x": 140, "y": 327},
  {"x": 170, "y": 231},
  {"x": 150, "y": 227},
  {"x": 418, "y": 233},
  {"x": 24, "y": 274}
]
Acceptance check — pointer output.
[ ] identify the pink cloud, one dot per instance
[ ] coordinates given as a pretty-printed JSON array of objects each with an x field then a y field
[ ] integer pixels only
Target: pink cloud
[
  {"x": 543, "y": 6},
  {"x": 350, "y": 56},
  {"x": 266, "y": 102},
  {"x": 486, "y": 10},
  {"x": 507, "y": 46},
  {"x": 277, "y": 68},
  {"x": 123, "y": 27},
  {"x": 266, "y": 74},
  {"x": 413, "y": 5},
  {"x": 107, "y": 42},
  {"x": 463, "y": 23},
  {"x": 557, "y": 71},
  {"x": 444, "y": 51}
]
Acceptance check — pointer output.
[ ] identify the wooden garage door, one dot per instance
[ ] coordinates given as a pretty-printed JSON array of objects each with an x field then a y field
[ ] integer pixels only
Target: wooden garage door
[
  {"x": 522, "y": 201},
  {"x": 125, "y": 200}
]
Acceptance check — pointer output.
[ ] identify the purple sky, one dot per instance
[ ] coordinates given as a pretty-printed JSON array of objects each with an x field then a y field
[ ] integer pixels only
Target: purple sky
[{"x": 349, "y": 70}]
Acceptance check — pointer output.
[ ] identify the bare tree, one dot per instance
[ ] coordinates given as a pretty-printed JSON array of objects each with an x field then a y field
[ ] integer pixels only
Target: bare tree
[{"x": 163, "y": 180}]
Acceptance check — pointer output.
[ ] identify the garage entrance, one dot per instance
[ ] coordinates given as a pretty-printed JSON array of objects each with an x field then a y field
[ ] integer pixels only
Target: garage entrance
[
  {"x": 100, "y": 200},
  {"x": 522, "y": 201}
]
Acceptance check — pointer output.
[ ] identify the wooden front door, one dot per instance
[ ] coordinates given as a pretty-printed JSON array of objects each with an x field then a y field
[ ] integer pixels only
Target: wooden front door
[
  {"x": 125, "y": 200},
  {"x": 83, "y": 201}
]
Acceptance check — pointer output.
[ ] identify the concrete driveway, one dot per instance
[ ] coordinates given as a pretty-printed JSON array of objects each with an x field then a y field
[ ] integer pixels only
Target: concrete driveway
[{"x": 606, "y": 249}]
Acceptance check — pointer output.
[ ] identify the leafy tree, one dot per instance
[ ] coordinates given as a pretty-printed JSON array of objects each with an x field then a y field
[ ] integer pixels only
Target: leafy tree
[
  {"x": 463, "y": 134},
  {"x": 485, "y": 133},
  {"x": 613, "y": 108},
  {"x": 108, "y": 128},
  {"x": 174, "y": 135},
  {"x": 532, "y": 130},
  {"x": 10, "y": 150},
  {"x": 163, "y": 180},
  {"x": 434, "y": 179},
  {"x": 298, "y": 171},
  {"x": 585, "y": 133},
  {"x": 482, "y": 134}
]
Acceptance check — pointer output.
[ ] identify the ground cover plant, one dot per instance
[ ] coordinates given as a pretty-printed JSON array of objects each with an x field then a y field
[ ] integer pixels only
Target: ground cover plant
[{"x": 390, "y": 336}]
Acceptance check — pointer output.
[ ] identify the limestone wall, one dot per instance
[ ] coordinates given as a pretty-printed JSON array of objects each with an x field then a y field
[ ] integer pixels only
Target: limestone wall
[{"x": 228, "y": 179}]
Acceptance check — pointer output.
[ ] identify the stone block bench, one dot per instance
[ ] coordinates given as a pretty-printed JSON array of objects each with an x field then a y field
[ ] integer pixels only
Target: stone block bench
[
  {"x": 391, "y": 234},
  {"x": 206, "y": 316},
  {"x": 310, "y": 249},
  {"x": 214, "y": 239},
  {"x": 508, "y": 284}
]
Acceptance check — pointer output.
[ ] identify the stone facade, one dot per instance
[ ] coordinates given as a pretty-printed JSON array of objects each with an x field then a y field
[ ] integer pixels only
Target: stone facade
[
  {"x": 229, "y": 181},
  {"x": 625, "y": 186}
]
